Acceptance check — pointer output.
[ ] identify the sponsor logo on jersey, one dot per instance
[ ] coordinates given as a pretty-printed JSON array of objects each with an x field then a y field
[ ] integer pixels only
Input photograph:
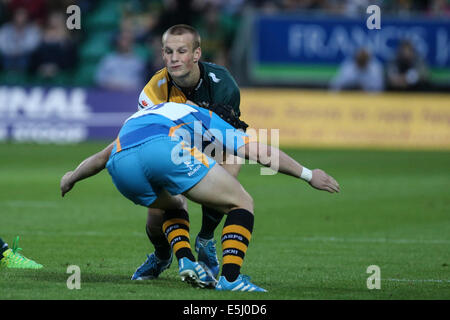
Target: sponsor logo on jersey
[
  {"x": 213, "y": 77},
  {"x": 161, "y": 82},
  {"x": 192, "y": 169}
]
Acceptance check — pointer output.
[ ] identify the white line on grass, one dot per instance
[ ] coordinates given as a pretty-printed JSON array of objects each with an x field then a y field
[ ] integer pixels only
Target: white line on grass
[
  {"x": 377, "y": 240},
  {"x": 81, "y": 233},
  {"x": 312, "y": 239},
  {"x": 31, "y": 204},
  {"x": 417, "y": 280}
]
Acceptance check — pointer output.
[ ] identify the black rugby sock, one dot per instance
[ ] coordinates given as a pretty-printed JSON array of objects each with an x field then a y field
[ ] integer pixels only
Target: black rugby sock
[
  {"x": 236, "y": 235},
  {"x": 162, "y": 246},
  {"x": 210, "y": 220},
  {"x": 176, "y": 228}
]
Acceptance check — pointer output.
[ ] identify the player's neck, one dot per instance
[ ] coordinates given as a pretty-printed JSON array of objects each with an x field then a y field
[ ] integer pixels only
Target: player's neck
[{"x": 190, "y": 80}]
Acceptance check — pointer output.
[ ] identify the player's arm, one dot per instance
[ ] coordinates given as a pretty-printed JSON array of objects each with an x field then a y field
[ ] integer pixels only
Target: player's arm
[
  {"x": 237, "y": 142},
  {"x": 260, "y": 152},
  {"x": 87, "y": 168},
  {"x": 225, "y": 123}
]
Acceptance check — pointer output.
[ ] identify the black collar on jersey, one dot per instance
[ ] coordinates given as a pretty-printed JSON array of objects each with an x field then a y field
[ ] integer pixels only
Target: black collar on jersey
[{"x": 185, "y": 90}]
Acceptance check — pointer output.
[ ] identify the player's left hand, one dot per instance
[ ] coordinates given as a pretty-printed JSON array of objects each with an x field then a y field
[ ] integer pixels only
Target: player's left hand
[
  {"x": 322, "y": 181},
  {"x": 66, "y": 183},
  {"x": 192, "y": 103}
]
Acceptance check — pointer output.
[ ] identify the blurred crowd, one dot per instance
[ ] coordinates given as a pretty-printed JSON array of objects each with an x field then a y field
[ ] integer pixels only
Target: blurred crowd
[
  {"x": 357, "y": 7},
  {"x": 34, "y": 39},
  {"x": 406, "y": 71}
]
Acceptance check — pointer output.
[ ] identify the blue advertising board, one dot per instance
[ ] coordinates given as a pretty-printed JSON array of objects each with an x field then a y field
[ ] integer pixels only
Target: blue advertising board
[
  {"x": 297, "y": 40},
  {"x": 63, "y": 115}
]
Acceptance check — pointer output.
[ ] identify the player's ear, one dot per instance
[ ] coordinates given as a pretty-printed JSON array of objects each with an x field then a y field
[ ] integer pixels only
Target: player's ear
[{"x": 197, "y": 54}]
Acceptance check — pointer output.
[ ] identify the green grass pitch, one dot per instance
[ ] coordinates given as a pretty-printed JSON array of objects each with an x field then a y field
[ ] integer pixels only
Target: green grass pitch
[{"x": 393, "y": 212}]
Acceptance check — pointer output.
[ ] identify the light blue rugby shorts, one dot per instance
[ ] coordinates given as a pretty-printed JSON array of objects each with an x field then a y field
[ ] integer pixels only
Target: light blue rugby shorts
[{"x": 140, "y": 173}]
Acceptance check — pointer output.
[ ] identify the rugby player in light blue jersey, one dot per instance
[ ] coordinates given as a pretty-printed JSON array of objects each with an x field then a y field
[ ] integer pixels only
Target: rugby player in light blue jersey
[{"x": 161, "y": 155}]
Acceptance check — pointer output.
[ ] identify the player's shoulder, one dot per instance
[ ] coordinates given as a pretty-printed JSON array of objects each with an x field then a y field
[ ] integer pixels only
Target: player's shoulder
[
  {"x": 216, "y": 72},
  {"x": 158, "y": 82},
  {"x": 221, "y": 80},
  {"x": 159, "y": 78},
  {"x": 155, "y": 91},
  {"x": 213, "y": 67}
]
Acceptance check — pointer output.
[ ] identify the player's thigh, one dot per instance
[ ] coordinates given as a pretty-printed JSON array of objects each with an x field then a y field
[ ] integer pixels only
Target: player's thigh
[
  {"x": 220, "y": 190},
  {"x": 232, "y": 164},
  {"x": 166, "y": 201}
]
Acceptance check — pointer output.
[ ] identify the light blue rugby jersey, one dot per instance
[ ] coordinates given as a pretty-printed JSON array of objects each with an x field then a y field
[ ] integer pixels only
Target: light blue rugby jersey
[{"x": 191, "y": 123}]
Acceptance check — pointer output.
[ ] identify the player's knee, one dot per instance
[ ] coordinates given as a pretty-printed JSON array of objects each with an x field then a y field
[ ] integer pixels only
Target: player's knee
[
  {"x": 245, "y": 201},
  {"x": 181, "y": 202},
  {"x": 232, "y": 168},
  {"x": 154, "y": 212},
  {"x": 249, "y": 202},
  {"x": 165, "y": 201}
]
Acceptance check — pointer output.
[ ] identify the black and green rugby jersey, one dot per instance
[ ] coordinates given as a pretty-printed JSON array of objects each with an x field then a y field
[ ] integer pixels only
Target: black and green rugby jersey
[{"x": 216, "y": 85}]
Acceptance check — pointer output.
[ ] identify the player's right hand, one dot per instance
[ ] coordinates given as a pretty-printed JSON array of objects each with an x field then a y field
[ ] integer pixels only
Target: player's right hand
[
  {"x": 192, "y": 102},
  {"x": 322, "y": 181},
  {"x": 66, "y": 183}
]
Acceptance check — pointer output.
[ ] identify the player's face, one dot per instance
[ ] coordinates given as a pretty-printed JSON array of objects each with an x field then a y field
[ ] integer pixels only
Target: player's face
[{"x": 178, "y": 55}]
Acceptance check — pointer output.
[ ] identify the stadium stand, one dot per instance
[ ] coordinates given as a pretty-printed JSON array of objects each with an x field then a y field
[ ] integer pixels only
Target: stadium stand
[{"x": 218, "y": 21}]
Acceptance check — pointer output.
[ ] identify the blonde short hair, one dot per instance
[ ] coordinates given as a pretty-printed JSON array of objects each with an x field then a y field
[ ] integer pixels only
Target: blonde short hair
[{"x": 180, "y": 29}]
